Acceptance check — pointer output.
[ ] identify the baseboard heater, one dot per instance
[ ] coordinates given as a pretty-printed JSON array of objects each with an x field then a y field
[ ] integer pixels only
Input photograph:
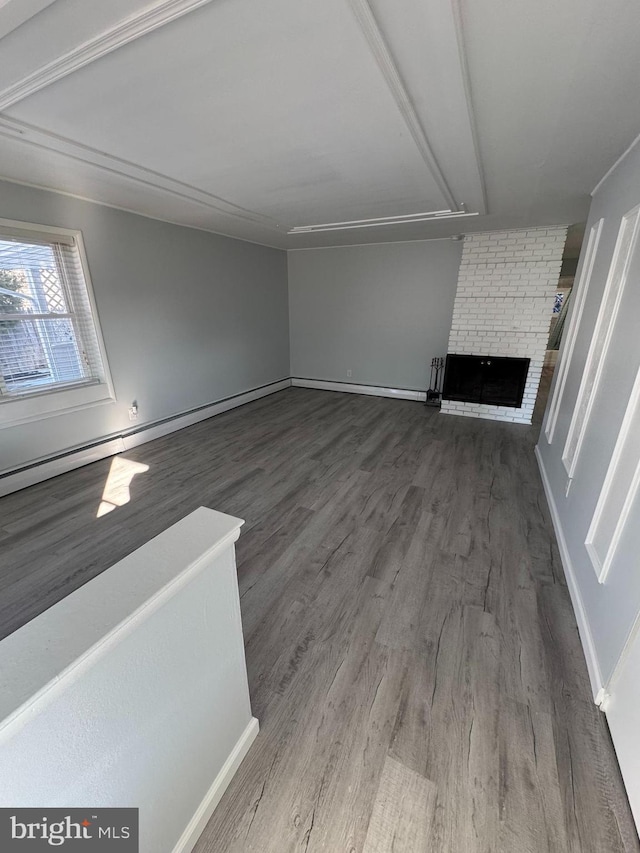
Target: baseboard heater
[{"x": 75, "y": 457}]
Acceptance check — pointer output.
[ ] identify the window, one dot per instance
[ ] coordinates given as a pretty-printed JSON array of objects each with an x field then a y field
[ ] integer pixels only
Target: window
[{"x": 51, "y": 353}]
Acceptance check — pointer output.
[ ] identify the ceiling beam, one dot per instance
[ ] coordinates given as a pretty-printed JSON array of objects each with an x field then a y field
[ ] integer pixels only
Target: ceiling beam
[
  {"x": 387, "y": 64},
  {"x": 466, "y": 82}
]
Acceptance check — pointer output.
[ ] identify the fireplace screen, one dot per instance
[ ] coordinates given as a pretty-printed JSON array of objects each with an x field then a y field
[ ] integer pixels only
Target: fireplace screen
[{"x": 494, "y": 380}]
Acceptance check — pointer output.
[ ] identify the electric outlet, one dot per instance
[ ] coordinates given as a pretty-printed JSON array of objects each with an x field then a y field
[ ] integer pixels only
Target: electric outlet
[
  {"x": 133, "y": 412},
  {"x": 348, "y": 373}
]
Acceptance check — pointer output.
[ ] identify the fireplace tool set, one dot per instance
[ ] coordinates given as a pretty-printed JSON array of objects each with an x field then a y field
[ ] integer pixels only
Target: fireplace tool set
[{"x": 434, "y": 392}]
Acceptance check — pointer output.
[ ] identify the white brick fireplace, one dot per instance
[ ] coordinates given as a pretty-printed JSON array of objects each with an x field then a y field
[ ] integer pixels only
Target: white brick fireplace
[{"x": 503, "y": 307}]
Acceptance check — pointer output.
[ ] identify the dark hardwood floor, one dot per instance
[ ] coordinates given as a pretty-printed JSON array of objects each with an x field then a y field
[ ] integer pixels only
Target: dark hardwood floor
[{"x": 413, "y": 656}]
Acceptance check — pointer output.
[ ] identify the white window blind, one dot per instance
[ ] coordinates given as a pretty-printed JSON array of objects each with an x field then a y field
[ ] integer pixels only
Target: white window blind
[{"x": 48, "y": 337}]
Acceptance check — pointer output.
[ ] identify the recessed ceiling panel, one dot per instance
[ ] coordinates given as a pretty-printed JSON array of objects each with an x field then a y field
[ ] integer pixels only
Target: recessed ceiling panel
[
  {"x": 247, "y": 117},
  {"x": 278, "y": 107}
]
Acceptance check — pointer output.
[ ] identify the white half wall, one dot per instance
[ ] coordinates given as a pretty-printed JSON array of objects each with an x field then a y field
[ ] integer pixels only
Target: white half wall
[
  {"x": 380, "y": 311},
  {"x": 610, "y": 608},
  {"x": 595, "y": 500},
  {"x": 132, "y": 691}
]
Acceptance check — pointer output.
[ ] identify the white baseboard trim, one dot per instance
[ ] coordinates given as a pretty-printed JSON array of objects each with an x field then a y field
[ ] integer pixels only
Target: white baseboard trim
[
  {"x": 194, "y": 828},
  {"x": 152, "y": 432},
  {"x": 12, "y": 482},
  {"x": 352, "y": 388},
  {"x": 586, "y": 637}
]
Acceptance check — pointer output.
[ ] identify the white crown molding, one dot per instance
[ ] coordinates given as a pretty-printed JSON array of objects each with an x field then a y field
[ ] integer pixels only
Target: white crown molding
[
  {"x": 380, "y": 50},
  {"x": 155, "y": 217},
  {"x": 466, "y": 83},
  {"x": 377, "y": 243},
  {"x": 612, "y": 168},
  {"x": 38, "y": 138},
  {"x": 151, "y": 18}
]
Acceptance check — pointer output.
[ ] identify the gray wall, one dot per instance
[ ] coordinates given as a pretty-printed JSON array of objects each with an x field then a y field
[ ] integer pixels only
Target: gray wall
[
  {"x": 187, "y": 317},
  {"x": 609, "y": 608},
  {"x": 382, "y": 311}
]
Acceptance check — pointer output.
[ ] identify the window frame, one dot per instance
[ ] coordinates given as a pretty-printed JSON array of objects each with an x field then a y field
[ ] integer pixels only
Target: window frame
[{"x": 62, "y": 399}]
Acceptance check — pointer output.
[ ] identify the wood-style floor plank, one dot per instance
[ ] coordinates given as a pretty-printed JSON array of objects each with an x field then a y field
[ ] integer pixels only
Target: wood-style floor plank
[
  {"x": 402, "y": 811},
  {"x": 411, "y": 648}
]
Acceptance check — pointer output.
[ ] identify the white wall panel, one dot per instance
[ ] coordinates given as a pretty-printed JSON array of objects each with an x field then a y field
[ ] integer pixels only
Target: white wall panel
[
  {"x": 618, "y": 491},
  {"x": 579, "y": 295},
  {"x": 601, "y": 338}
]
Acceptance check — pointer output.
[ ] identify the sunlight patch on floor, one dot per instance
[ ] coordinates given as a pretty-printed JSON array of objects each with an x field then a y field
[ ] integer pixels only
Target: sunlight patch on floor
[{"x": 116, "y": 490}]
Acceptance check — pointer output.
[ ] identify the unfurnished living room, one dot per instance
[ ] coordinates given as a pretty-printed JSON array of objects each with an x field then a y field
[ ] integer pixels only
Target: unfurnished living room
[{"x": 320, "y": 426}]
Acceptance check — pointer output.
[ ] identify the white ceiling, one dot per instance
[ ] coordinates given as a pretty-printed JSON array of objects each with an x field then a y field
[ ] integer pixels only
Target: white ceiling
[{"x": 248, "y": 118}]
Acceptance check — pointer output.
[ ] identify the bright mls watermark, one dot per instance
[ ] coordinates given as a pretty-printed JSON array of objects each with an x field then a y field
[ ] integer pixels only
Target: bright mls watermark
[{"x": 80, "y": 830}]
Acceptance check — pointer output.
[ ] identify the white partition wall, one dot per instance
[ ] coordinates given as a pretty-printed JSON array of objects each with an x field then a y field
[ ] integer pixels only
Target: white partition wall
[
  {"x": 589, "y": 458},
  {"x": 132, "y": 691},
  {"x": 601, "y": 336}
]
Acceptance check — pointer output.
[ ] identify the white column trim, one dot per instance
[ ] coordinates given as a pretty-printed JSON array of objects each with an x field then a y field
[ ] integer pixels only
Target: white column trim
[
  {"x": 581, "y": 289},
  {"x": 601, "y": 338}
]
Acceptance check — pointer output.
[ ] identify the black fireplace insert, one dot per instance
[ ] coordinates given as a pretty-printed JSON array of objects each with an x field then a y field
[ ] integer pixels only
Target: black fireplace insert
[{"x": 494, "y": 380}]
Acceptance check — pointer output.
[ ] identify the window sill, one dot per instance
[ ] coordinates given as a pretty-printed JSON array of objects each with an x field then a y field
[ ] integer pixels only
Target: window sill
[{"x": 21, "y": 410}]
